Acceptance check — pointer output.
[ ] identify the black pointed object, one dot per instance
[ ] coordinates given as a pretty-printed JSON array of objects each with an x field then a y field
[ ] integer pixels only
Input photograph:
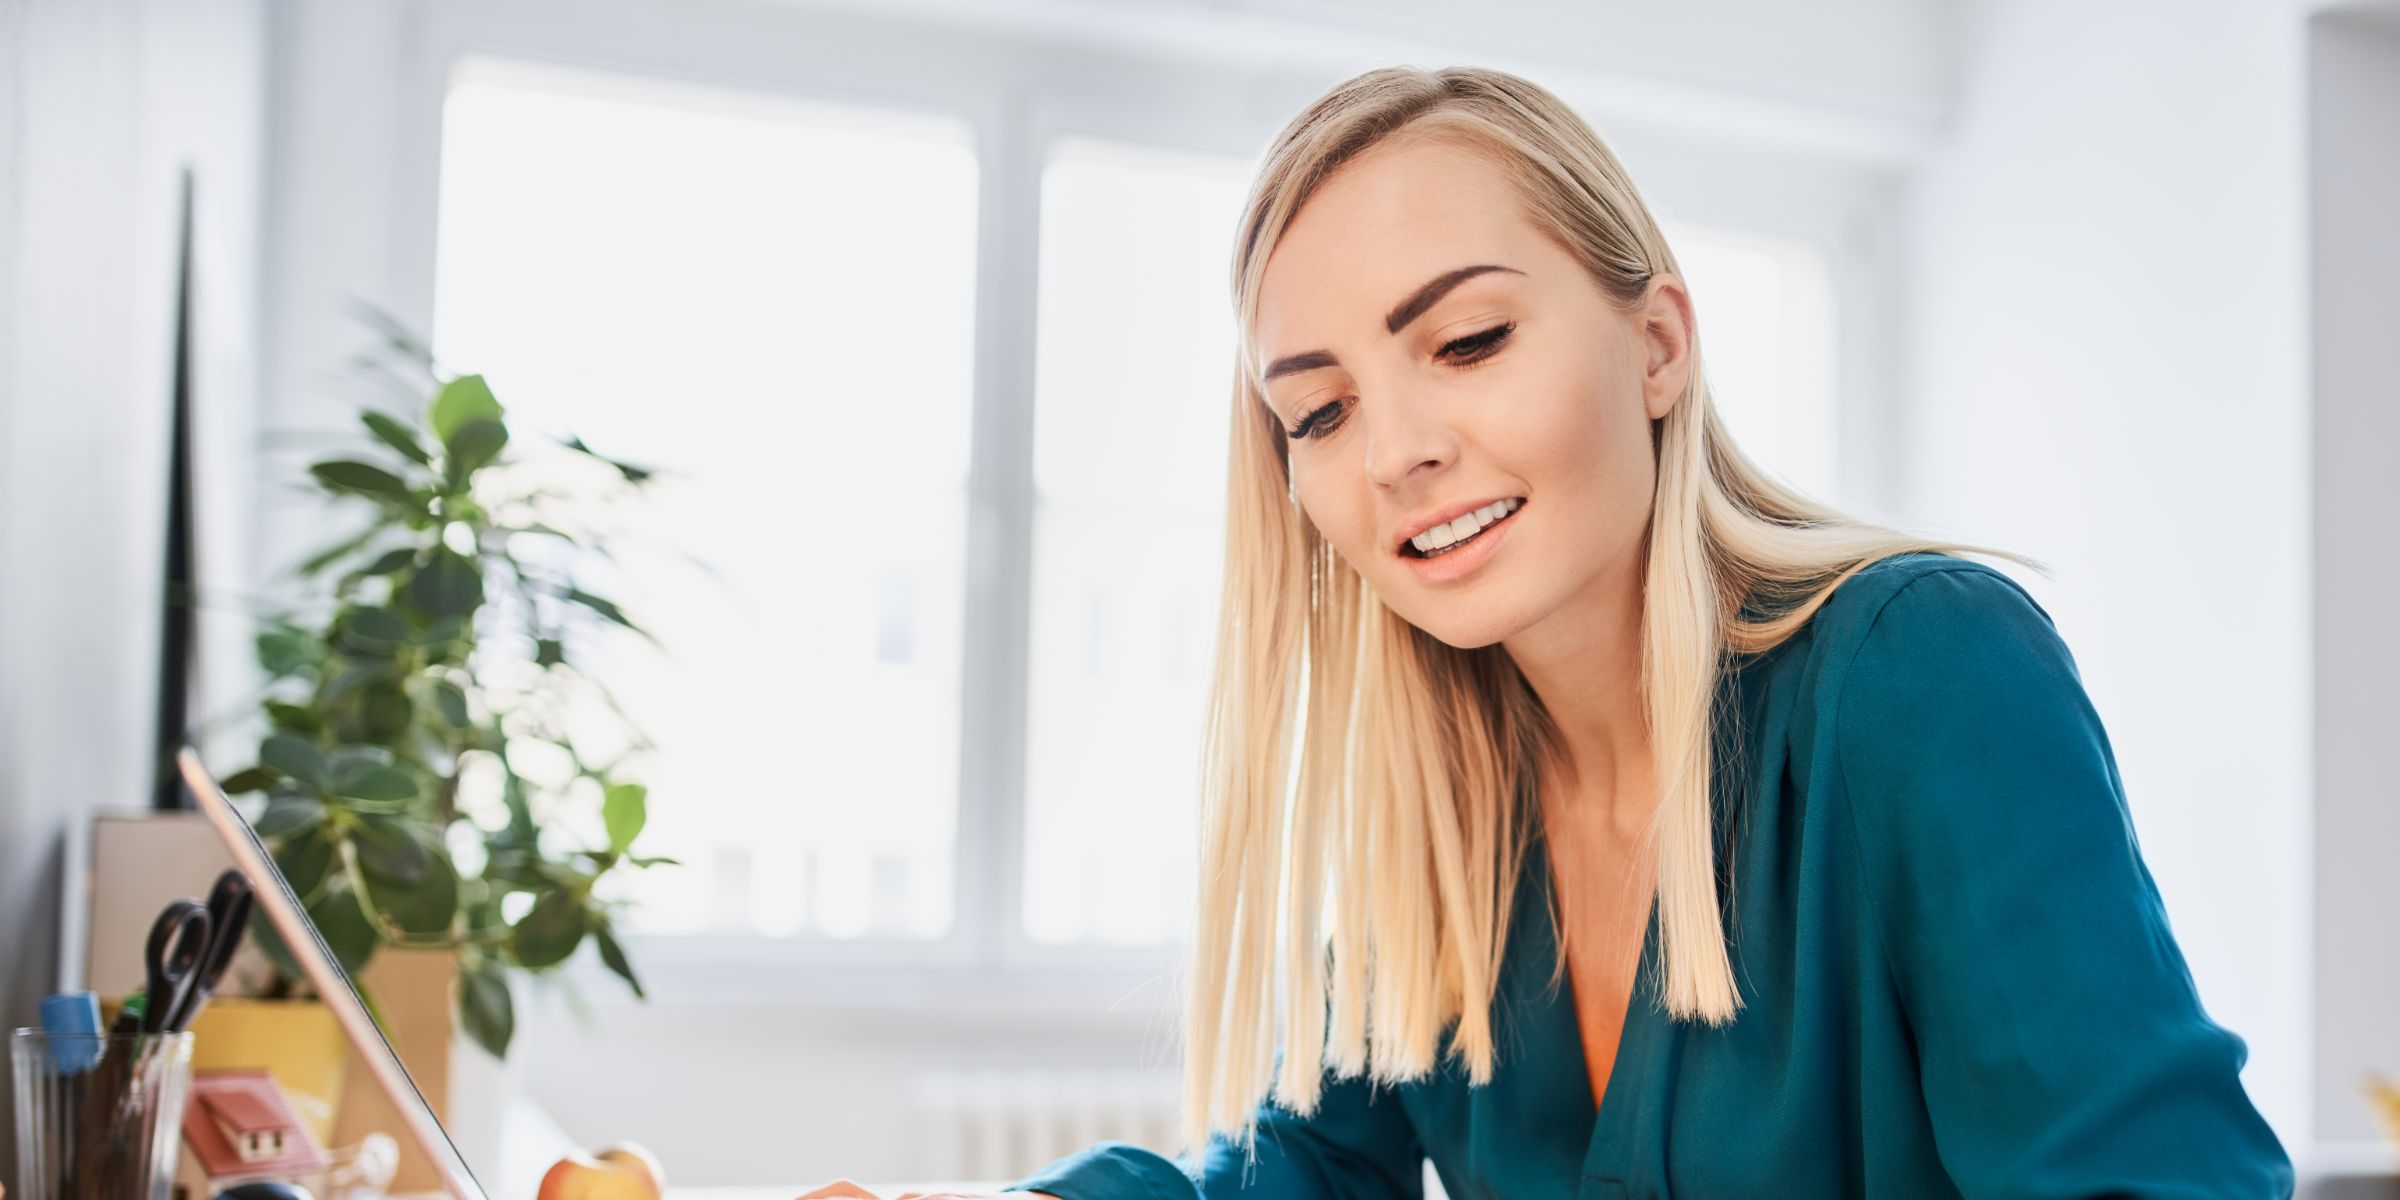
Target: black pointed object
[{"x": 175, "y": 634}]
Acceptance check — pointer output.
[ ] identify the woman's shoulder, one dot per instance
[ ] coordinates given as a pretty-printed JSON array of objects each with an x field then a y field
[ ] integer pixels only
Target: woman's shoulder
[
  {"x": 1924, "y": 625},
  {"x": 1965, "y": 586},
  {"x": 1918, "y": 633}
]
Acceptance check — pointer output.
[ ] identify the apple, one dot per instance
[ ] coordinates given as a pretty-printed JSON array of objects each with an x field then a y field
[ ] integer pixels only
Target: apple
[
  {"x": 635, "y": 1156},
  {"x": 621, "y": 1171}
]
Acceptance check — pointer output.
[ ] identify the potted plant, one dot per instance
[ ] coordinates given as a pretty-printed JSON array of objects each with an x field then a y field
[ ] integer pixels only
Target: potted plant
[{"x": 404, "y": 698}]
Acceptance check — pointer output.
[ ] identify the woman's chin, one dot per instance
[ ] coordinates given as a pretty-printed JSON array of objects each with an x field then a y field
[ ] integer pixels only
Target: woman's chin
[{"x": 1463, "y": 630}]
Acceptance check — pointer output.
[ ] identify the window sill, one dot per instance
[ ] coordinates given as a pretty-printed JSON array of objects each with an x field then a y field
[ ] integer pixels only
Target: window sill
[{"x": 1139, "y": 988}]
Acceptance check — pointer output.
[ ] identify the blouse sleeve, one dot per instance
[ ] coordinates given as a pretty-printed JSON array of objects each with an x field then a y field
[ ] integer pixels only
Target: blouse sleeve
[
  {"x": 2063, "y": 1050},
  {"x": 1357, "y": 1145}
]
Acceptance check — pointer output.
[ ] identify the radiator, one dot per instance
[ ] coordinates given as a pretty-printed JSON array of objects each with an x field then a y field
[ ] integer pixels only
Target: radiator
[
  {"x": 1007, "y": 1123},
  {"x": 1002, "y": 1125}
]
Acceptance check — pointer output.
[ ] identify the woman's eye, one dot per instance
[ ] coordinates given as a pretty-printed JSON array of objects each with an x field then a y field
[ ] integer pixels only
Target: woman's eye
[
  {"x": 1310, "y": 427},
  {"x": 1469, "y": 350},
  {"x": 1477, "y": 346}
]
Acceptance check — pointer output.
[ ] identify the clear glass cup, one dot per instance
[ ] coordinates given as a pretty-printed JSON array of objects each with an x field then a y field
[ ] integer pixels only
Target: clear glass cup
[{"x": 99, "y": 1115}]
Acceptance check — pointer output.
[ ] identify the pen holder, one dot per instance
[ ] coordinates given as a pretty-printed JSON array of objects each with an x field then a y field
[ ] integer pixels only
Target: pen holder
[{"x": 99, "y": 1115}]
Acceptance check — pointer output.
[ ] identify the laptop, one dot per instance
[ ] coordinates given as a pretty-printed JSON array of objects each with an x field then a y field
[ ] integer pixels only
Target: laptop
[{"x": 275, "y": 898}]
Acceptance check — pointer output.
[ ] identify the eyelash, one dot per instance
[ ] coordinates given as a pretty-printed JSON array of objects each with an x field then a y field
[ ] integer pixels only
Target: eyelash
[{"x": 1485, "y": 345}]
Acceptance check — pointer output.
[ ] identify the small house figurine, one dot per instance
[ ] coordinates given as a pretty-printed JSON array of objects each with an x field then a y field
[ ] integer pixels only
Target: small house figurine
[{"x": 239, "y": 1127}]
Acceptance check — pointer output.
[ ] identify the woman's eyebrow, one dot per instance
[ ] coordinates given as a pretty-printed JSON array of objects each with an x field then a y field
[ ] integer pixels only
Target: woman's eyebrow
[{"x": 1402, "y": 314}]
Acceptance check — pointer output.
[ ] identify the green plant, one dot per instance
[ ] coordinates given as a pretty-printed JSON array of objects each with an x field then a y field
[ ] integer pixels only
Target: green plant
[{"x": 400, "y": 715}]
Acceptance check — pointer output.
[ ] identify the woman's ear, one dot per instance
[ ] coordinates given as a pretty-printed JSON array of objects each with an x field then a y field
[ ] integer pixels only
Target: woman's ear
[{"x": 1667, "y": 331}]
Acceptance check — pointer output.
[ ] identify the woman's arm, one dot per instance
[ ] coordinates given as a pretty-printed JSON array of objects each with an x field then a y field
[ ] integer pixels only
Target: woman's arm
[
  {"x": 2063, "y": 1048},
  {"x": 1357, "y": 1145}
]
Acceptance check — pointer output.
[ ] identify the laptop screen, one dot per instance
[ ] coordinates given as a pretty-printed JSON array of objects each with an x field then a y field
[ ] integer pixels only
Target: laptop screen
[{"x": 275, "y": 899}]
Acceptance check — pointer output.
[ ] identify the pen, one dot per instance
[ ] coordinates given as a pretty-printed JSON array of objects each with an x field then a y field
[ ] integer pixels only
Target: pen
[
  {"x": 130, "y": 1015},
  {"x": 72, "y": 1020}
]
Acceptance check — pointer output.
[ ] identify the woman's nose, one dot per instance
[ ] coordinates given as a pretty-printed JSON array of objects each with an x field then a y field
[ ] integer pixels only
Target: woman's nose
[{"x": 1405, "y": 434}]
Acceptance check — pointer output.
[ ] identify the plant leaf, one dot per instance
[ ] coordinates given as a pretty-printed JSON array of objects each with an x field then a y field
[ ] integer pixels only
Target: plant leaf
[
  {"x": 295, "y": 757},
  {"x": 322, "y": 559},
  {"x": 429, "y": 904},
  {"x": 345, "y": 928},
  {"x": 606, "y": 608},
  {"x": 384, "y": 712},
  {"x": 551, "y": 931},
  {"x": 387, "y": 847},
  {"x": 477, "y": 442},
  {"x": 614, "y": 956},
  {"x": 371, "y": 632},
  {"x": 304, "y": 861},
  {"x": 355, "y": 757},
  {"x": 354, "y": 677},
  {"x": 361, "y": 479},
  {"x": 251, "y": 779},
  {"x": 371, "y": 782},
  {"x": 625, "y": 810},
  {"x": 391, "y": 561},
  {"x": 632, "y": 474},
  {"x": 270, "y": 943},
  {"x": 520, "y": 833},
  {"x": 448, "y": 585},
  {"x": 294, "y": 718},
  {"x": 450, "y": 703},
  {"x": 398, "y": 436},
  {"x": 485, "y": 1006},
  {"x": 466, "y": 398},
  {"x": 286, "y": 651},
  {"x": 288, "y": 814}
]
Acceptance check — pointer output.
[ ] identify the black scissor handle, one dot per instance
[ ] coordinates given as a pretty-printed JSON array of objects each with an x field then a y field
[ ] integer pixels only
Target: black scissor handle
[
  {"x": 179, "y": 945},
  {"x": 229, "y": 918}
]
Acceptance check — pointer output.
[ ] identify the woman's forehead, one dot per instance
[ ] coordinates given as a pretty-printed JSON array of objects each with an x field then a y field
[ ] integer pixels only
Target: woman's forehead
[{"x": 1383, "y": 224}]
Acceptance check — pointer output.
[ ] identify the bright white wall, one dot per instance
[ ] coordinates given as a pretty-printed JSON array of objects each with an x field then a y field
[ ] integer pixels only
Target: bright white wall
[
  {"x": 2354, "y": 256},
  {"x": 101, "y": 101},
  {"x": 2108, "y": 370}
]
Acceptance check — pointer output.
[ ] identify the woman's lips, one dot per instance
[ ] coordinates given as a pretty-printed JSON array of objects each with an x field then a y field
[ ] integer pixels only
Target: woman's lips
[{"x": 1468, "y": 556}]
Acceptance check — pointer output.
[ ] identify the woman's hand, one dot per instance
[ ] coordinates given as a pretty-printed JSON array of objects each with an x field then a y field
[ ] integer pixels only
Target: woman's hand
[{"x": 846, "y": 1189}]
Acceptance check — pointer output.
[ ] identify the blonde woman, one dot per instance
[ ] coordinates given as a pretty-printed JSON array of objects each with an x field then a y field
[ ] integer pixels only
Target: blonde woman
[{"x": 1657, "y": 830}]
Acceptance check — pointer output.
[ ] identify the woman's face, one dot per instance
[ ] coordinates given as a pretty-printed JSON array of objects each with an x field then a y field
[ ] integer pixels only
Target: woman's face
[{"x": 1444, "y": 355}]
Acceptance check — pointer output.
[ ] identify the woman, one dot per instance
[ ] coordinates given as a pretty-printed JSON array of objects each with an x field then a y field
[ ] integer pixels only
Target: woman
[{"x": 1642, "y": 720}]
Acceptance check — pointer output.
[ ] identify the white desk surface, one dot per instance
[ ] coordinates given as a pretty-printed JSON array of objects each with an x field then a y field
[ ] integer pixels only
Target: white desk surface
[{"x": 969, "y": 1187}]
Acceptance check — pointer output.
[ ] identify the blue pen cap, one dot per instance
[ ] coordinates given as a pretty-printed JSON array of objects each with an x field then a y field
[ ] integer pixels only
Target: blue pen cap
[{"x": 73, "y": 1013}]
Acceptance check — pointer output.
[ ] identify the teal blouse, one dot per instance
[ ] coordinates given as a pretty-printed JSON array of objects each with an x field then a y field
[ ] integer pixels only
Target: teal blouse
[{"x": 1958, "y": 978}]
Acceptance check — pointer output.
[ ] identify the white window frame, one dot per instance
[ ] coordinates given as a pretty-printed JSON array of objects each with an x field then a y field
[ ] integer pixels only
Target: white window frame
[{"x": 1020, "y": 83}]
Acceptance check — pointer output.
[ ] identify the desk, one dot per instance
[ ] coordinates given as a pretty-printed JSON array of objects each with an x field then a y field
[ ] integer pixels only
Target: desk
[{"x": 984, "y": 1187}]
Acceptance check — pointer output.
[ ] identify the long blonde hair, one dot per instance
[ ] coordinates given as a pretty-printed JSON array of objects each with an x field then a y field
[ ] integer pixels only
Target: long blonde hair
[{"x": 1415, "y": 757}]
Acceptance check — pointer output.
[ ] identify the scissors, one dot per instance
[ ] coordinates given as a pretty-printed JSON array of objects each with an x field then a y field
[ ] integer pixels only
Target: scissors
[
  {"x": 178, "y": 949},
  {"x": 228, "y": 919}
]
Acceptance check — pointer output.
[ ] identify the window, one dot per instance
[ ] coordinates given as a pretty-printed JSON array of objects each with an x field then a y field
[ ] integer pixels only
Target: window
[
  {"x": 1134, "y": 375},
  {"x": 1765, "y": 310},
  {"x": 774, "y": 301}
]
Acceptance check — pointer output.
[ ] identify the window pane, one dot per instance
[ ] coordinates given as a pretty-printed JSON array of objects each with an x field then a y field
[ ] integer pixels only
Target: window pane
[
  {"x": 1134, "y": 366},
  {"x": 1764, "y": 304},
  {"x": 772, "y": 301}
]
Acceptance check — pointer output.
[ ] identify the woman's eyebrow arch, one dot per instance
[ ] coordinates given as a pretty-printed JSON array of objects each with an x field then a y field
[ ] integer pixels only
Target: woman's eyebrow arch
[{"x": 1402, "y": 314}]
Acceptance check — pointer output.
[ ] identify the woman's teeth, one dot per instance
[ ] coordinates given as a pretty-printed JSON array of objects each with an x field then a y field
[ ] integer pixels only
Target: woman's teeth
[{"x": 1441, "y": 539}]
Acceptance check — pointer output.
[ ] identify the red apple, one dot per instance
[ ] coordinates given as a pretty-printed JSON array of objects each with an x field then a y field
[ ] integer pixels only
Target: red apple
[
  {"x": 584, "y": 1176},
  {"x": 635, "y": 1156}
]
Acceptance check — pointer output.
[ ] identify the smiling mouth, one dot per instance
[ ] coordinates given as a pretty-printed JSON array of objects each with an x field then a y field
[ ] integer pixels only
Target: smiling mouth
[{"x": 1408, "y": 549}]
